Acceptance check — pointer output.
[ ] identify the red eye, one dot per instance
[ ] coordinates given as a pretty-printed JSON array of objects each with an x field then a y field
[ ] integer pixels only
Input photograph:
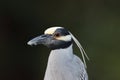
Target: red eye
[{"x": 56, "y": 35}]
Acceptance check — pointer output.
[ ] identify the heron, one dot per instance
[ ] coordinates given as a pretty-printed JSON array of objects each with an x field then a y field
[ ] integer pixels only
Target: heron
[{"x": 62, "y": 64}]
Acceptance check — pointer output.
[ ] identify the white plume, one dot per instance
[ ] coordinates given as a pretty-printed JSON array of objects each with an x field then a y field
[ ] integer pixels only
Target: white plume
[{"x": 80, "y": 48}]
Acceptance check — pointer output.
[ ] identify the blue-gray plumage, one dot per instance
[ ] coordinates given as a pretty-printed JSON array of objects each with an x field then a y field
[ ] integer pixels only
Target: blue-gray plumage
[{"x": 62, "y": 64}]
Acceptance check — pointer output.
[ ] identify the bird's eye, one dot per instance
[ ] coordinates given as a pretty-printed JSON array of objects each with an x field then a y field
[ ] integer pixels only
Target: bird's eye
[{"x": 57, "y": 35}]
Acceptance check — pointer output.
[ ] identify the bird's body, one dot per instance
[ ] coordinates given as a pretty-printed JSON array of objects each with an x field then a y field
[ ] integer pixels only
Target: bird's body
[{"x": 62, "y": 64}]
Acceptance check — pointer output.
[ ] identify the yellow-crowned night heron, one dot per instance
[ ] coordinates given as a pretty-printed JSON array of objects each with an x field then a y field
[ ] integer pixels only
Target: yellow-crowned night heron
[{"x": 63, "y": 64}]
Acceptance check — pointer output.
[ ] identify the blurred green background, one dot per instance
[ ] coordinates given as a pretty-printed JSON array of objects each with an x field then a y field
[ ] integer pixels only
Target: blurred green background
[{"x": 96, "y": 24}]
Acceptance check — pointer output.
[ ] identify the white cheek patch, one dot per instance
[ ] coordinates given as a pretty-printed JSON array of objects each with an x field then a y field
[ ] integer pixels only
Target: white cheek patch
[
  {"x": 64, "y": 38},
  {"x": 51, "y": 30}
]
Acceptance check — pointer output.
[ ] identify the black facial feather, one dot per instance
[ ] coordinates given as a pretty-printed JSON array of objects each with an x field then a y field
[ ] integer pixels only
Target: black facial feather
[{"x": 62, "y": 31}]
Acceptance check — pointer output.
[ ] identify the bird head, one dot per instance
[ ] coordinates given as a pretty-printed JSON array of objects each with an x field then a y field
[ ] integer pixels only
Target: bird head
[
  {"x": 58, "y": 38},
  {"x": 54, "y": 38}
]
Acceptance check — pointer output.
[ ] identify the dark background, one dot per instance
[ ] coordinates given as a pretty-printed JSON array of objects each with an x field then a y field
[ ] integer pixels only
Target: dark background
[{"x": 96, "y": 24}]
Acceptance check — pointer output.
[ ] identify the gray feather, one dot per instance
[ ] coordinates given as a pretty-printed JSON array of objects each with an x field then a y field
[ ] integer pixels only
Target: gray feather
[{"x": 64, "y": 65}]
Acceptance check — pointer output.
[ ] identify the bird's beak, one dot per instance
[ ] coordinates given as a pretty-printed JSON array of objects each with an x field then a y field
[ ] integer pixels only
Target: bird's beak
[{"x": 42, "y": 39}]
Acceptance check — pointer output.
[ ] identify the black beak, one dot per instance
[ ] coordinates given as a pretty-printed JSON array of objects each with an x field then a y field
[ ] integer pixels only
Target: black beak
[{"x": 42, "y": 39}]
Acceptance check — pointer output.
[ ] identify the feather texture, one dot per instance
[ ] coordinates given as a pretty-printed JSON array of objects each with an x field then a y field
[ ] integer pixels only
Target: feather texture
[{"x": 64, "y": 65}]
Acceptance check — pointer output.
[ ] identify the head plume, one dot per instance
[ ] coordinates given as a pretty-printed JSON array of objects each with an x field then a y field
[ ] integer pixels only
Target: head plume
[{"x": 80, "y": 48}]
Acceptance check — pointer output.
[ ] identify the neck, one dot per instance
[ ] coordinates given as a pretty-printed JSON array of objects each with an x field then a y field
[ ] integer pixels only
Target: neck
[
  {"x": 68, "y": 50},
  {"x": 61, "y": 55},
  {"x": 57, "y": 61}
]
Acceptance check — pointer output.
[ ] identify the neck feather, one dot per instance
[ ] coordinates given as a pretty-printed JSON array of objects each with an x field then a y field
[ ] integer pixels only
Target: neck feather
[
  {"x": 61, "y": 55},
  {"x": 68, "y": 50}
]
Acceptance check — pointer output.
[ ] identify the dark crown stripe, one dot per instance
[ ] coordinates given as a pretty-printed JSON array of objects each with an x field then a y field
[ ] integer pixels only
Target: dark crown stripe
[{"x": 62, "y": 31}]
